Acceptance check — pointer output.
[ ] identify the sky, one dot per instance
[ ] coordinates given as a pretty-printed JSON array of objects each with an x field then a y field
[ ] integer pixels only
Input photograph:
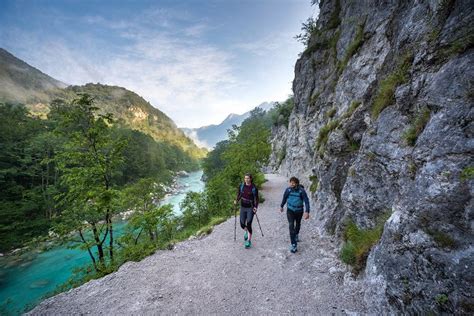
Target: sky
[{"x": 197, "y": 61}]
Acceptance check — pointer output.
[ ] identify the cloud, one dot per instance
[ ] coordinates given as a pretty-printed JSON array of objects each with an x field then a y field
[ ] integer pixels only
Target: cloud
[
  {"x": 181, "y": 75},
  {"x": 164, "y": 55},
  {"x": 193, "y": 135},
  {"x": 268, "y": 44}
]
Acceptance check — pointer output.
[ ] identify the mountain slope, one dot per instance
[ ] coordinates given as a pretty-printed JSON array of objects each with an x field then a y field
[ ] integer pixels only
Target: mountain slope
[
  {"x": 210, "y": 135},
  {"x": 19, "y": 82},
  {"x": 382, "y": 128},
  {"x": 136, "y": 113},
  {"x": 22, "y": 83}
]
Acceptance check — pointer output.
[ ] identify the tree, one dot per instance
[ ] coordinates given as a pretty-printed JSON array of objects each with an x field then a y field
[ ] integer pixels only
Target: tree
[{"x": 89, "y": 159}]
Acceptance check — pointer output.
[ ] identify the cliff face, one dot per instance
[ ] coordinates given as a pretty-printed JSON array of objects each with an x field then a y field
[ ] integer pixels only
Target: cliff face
[{"x": 382, "y": 124}]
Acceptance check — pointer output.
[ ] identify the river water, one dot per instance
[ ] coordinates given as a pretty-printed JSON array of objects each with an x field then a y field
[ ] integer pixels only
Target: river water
[{"x": 25, "y": 279}]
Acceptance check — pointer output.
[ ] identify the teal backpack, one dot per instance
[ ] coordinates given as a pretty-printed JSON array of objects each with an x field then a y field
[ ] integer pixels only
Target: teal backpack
[{"x": 295, "y": 199}]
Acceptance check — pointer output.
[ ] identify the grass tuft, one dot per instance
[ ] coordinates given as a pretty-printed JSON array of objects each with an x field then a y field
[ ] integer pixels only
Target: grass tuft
[
  {"x": 467, "y": 173},
  {"x": 359, "y": 242},
  {"x": 418, "y": 125},
  {"x": 324, "y": 133},
  {"x": 352, "y": 49},
  {"x": 386, "y": 92},
  {"x": 314, "y": 183}
]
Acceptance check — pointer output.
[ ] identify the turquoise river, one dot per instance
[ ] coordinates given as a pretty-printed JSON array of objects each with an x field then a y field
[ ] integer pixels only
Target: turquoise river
[{"x": 25, "y": 279}]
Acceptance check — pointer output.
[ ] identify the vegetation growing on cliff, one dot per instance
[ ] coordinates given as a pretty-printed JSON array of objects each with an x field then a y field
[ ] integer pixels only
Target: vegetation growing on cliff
[
  {"x": 417, "y": 126},
  {"x": 386, "y": 91},
  {"x": 358, "y": 242}
]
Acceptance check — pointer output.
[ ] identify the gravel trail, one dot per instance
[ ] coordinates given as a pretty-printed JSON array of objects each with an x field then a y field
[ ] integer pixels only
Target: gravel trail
[{"x": 215, "y": 275}]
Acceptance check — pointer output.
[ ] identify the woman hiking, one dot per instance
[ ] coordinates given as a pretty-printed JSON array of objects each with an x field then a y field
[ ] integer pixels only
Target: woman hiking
[
  {"x": 247, "y": 193},
  {"x": 295, "y": 195}
]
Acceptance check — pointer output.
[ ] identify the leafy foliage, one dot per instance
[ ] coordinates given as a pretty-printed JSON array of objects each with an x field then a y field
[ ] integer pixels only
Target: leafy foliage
[
  {"x": 280, "y": 113},
  {"x": 33, "y": 148}
]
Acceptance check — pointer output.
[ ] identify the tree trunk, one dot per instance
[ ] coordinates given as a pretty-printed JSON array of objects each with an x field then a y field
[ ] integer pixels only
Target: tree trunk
[
  {"x": 98, "y": 243},
  {"x": 111, "y": 239},
  {"x": 89, "y": 250}
]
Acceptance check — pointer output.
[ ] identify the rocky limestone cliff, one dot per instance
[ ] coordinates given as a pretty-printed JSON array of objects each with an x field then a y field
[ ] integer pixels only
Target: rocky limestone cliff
[{"x": 382, "y": 124}]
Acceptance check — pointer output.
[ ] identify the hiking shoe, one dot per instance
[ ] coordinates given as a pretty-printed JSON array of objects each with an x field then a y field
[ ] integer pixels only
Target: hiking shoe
[
  {"x": 246, "y": 236},
  {"x": 248, "y": 244},
  {"x": 293, "y": 248}
]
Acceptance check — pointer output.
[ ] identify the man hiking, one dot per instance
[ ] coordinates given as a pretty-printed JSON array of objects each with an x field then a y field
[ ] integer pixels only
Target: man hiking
[
  {"x": 295, "y": 195},
  {"x": 247, "y": 193}
]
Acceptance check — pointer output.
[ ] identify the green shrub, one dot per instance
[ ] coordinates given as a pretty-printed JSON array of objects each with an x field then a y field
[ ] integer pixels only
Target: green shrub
[
  {"x": 359, "y": 242},
  {"x": 386, "y": 90},
  {"x": 441, "y": 299},
  {"x": 324, "y": 133},
  {"x": 348, "y": 253},
  {"x": 280, "y": 114},
  {"x": 418, "y": 125},
  {"x": 281, "y": 155},
  {"x": 467, "y": 173},
  {"x": 352, "y": 49},
  {"x": 314, "y": 183}
]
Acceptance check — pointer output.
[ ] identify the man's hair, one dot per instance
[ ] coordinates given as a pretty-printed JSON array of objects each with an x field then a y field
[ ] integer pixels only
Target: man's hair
[{"x": 295, "y": 180}]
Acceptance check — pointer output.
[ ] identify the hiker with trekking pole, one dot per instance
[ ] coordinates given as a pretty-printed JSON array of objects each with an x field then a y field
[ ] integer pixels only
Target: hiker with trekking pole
[
  {"x": 247, "y": 193},
  {"x": 294, "y": 196}
]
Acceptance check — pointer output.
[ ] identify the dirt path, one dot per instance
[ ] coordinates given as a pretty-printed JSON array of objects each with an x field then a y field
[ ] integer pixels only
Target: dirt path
[{"x": 215, "y": 275}]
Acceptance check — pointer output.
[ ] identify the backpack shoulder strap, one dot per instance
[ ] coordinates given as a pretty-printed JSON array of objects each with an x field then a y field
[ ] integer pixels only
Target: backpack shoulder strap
[{"x": 241, "y": 188}]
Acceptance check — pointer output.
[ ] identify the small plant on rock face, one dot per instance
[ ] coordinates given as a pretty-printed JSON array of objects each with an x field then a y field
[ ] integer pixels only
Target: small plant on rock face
[
  {"x": 359, "y": 242},
  {"x": 441, "y": 299},
  {"x": 324, "y": 133},
  {"x": 467, "y": 173},
  {"x": 417, "y": 127},
  {"x": 442, "y": 239},
  {"x": 352, "y": 49},
  {"x": 354, "y": 105},
  {"x": 314, "y": 183},
  {"x": 386, "y": 92}
]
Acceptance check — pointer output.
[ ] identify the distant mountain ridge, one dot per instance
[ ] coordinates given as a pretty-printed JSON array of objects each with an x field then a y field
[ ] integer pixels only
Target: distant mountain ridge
[
  {"x": 208, "y": 136},
  {"x": 22, "y": 83}
]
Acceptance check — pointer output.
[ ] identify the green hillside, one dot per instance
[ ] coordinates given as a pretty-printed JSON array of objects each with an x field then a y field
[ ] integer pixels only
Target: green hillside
[{"x": 22, "y": 83}]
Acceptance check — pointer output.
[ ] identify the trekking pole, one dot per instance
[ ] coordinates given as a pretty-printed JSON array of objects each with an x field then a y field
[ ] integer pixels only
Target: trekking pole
[
  {"x": 235, "y": 223},
  {"x": 259, "y": 224}
]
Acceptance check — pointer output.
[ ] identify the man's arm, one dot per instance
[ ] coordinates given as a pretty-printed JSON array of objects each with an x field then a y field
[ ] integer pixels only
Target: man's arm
[
  {"x": 306, "y": 201},
  {"x": 285, "y": 198}
]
